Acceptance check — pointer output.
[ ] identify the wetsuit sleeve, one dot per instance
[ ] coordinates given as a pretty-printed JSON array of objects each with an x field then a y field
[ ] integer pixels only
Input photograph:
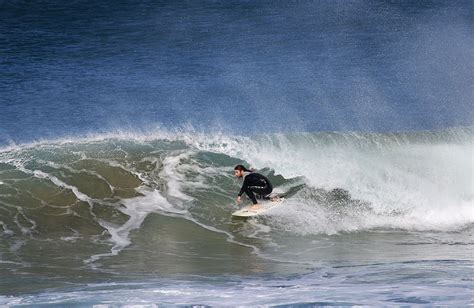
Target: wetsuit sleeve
[{"x": 244, "y": 186}]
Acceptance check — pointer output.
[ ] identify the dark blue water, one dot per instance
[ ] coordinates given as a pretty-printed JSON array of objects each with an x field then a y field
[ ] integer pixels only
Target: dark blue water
[{"x": 78, "y": 67}]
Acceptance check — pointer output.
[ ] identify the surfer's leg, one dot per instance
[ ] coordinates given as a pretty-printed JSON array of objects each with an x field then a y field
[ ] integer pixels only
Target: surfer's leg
[
  {"x": 263, "y": 191},
  {"x": 251, "y": 195}
]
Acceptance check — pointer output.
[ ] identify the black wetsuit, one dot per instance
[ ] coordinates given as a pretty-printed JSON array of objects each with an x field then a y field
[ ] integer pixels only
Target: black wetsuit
[{"x": 255, "y": 183}]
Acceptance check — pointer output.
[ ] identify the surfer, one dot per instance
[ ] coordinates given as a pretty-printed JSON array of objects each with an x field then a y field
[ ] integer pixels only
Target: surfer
[{"x": 254, "y": 185}]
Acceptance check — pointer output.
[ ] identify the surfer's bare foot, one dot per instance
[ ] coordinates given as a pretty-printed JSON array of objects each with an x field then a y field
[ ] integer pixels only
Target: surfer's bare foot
[{"x": 255, "y": 207}]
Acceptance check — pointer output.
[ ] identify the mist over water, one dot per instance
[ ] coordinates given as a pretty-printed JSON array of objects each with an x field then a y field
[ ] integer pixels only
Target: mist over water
[
  {"x": 78, "y": 67},
  {"x": 121, "y": 122}
]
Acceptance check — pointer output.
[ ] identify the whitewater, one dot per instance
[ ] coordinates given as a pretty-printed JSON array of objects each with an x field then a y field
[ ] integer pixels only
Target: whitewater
[{"x": 145, "y": 218}]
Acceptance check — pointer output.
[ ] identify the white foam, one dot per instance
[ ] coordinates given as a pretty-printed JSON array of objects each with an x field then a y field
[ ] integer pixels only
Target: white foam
[
  {"x": 137, "y": 209},
  {"x": 72, "y": 170},
  {"x": 5, "y": 228},
  {"x": 175, "y": 179},
  {"x": 81, "y": 196},
  {"x": 431, "y": 184}
]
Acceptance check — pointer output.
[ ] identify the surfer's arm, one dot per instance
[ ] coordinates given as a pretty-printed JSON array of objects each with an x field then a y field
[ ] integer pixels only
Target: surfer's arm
[{"x": 244, "y": 187}]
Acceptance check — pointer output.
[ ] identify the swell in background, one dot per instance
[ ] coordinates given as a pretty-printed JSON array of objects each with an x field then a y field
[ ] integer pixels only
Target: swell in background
[{"x": 72, "y": 68}]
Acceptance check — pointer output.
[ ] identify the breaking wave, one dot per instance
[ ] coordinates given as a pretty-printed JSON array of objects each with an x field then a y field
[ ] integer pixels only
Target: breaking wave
[{"x": 100, "y": 189}]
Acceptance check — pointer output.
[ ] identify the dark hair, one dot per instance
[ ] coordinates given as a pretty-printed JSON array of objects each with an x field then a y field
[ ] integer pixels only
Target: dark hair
[{"x": 242, "y": 168}]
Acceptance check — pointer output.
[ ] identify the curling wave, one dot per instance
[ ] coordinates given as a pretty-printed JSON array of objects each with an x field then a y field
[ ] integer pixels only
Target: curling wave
[{"x": 101, "y": 189}]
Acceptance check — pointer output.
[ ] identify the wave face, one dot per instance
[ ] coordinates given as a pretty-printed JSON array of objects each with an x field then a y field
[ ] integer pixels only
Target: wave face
[
  {"x": 125, "y": 203},
  {"x": 336, "y": 182}
]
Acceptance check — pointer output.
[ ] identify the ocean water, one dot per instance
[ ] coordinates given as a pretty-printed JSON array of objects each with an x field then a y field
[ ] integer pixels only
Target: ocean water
[{"x": 121, "y": 122}]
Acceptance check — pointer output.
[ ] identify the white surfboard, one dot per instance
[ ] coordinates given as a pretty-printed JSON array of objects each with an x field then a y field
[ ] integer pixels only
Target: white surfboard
[{"x": 264, "y": 206}]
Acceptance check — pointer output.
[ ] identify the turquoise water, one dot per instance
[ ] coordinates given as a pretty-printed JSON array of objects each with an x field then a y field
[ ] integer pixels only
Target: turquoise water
[{"x": 367, "y": 220}]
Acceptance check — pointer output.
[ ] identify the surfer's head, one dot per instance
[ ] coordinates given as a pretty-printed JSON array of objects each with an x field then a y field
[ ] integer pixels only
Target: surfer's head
[{"x": 239, "y": 171}]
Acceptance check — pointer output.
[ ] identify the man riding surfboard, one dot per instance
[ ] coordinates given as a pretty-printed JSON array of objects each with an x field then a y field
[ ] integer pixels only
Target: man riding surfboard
[{"x": 254, "y": 185}]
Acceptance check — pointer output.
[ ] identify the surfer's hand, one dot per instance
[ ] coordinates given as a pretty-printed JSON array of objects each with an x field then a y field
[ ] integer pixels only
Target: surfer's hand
[{"x": 238, "y": 199}]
